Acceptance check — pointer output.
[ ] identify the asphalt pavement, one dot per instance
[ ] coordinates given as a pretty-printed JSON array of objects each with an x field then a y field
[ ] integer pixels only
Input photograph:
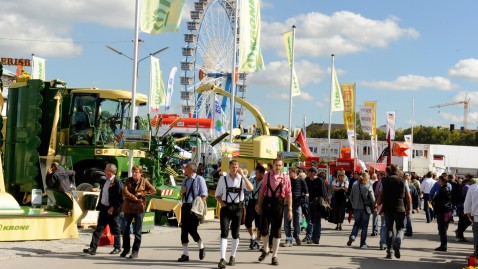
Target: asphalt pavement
[{"x": 161, "y": 248}]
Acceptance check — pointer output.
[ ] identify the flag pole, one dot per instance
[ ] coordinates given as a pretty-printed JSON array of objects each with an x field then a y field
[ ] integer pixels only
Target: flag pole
[
  {"x": 233, "y": 73},
  {"x": 135, "y": 80},
  {"x": 330, "y": 112},
  {"x": 150, "y": 98},
  {"x": 411, "y": 142},
  {"x": 291, "y": 87}
]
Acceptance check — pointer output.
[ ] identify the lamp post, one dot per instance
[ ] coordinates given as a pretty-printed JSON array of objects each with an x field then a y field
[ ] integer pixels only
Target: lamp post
[
  {"x": 144, "y": 58},
  {"x": 133, "y": 93}
]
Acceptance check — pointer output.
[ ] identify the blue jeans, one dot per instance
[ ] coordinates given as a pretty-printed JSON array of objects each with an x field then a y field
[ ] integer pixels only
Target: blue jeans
[
  {"x": 399, "y": 219},
  {"x": 409, "y": 229},
  {"x": 475, "y": 233},
  {"x": 375, "y": 222},
  {"x": 383, "y": 231},
  {"x": 137, "y": 227},
  {"x": 314, "y": 224},
  {"x": 296, "y": 221},
  {"x": 361, "y": 220}
]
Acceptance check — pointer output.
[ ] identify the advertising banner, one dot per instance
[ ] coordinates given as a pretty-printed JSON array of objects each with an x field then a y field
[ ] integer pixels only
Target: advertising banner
[
  {"x": 348, "y": 93},
  {"x": 250, "y": 55}
]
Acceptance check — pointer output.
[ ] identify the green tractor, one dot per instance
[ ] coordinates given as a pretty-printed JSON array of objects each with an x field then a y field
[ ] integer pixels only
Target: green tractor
[{"x": 46, "y": 122}]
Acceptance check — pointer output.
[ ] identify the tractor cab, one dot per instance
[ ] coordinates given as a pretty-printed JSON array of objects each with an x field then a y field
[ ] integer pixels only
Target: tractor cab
[{"x": 94, "y": 115}]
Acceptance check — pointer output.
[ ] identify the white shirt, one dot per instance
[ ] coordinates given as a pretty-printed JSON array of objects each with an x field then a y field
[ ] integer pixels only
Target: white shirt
[
  {"x": 236, "y": 183},
  {"x": 427, "y": 185},
  {"x": 471, "y": 201}
]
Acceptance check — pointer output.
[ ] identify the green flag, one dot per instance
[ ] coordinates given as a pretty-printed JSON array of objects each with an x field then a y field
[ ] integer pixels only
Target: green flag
[
  {"x": 250, "y": 55},
  {"x": 288, "y": 48},
  {"x": 159, "y": 16}
]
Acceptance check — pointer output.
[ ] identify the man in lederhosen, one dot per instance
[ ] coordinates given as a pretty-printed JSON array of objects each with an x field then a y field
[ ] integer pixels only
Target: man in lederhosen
[
  {"x": 230, "y": 194},
  {"x": 274, "y": 194},
  {"x": 251, "y": 214},
  {"x": 193, "y": 186}
]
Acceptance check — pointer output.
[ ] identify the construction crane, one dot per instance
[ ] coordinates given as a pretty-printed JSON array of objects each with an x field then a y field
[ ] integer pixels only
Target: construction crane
[{"x": 465, "y": 106}]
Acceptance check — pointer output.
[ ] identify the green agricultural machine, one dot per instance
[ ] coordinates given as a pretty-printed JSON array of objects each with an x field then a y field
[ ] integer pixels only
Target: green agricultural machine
[{"x": 46, "y": 121}]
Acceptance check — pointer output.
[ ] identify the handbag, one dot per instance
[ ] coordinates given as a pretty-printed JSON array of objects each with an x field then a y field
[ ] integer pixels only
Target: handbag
[
  {"x": 367, "y": 207},
  {"x": 135, "y": 207}
]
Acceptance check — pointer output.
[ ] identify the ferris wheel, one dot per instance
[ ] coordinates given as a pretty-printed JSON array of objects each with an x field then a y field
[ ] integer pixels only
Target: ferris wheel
[{"x": 209, "y": 55}]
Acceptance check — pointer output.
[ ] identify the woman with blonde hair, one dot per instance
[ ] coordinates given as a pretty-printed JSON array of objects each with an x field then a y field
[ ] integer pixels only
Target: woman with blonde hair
[{"x": 362, "y": 199}]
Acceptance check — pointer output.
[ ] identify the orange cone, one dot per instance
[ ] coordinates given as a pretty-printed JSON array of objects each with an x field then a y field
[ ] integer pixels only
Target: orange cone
[{"x": 107, "y": 238}]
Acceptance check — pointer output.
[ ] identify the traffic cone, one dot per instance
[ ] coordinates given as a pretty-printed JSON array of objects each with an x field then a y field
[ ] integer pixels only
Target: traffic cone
[{"x": 107, "y": 238}]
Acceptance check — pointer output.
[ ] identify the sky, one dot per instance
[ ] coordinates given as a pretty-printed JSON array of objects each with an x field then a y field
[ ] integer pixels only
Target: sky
[{"x": 398, "y": 53}]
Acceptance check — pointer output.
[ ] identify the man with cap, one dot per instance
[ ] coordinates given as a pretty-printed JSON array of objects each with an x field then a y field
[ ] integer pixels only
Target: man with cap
[{"x": 317, "y": 190}]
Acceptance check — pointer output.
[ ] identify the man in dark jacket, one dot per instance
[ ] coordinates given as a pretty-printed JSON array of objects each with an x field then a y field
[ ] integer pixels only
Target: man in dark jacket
[
  {"x": 393, "y": 195},
  {"x": 317, "y": 190},
  {"x": 59, "y": 179},
  {"x": 111, "y": 198}
]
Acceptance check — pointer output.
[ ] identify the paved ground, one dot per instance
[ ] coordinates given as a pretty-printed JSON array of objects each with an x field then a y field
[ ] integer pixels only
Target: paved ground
[{"x": 161, "y": 248}]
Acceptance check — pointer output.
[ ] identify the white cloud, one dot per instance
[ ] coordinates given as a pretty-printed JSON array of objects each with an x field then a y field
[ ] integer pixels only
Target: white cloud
[
  {"x": 453, "y": 118},
  {"x": 412, "y": 82},
  {"x": 44, "y": 27},
  {"x": 472, "y": 98},
  {"x": 341, "y": 33},
  {"x": 467, "y": 68},
  {"x": 266, "y": 4},
  {"x": 277, "y": 75},
  {"x": 320, "y": 104}
]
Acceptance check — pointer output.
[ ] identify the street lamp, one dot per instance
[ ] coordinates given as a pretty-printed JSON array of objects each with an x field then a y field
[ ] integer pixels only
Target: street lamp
[{"x": 122, "y": 54}]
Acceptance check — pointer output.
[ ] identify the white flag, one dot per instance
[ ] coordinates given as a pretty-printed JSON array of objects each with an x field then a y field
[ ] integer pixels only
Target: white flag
[
  {"x": 408, "y": 141},
  {"x": 366, "y": 116},
  {"x": 157, "y": 94},
  {"x": 337, "y": 101},
  {"x": 38, "y": 71},
  {"x": 391, "y": 124},
  {"x": 351, "y": 138},
  {"x": 169, "y": 91},
  {"x": 218, "y": 118}
]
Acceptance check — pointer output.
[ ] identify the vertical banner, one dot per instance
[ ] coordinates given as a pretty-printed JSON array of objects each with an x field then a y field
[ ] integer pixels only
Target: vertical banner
[
  {"x": 218, "y": 118},
  {"x": 38, "y": 71},
  {"x": 373, "y": 144},
  {"x": 337, "y": 102},
  {"x": 365, "y": 113},
  {"x": 408, "y": 141},
  {"x": 351, "y": 138},
  {"x": 348, "y": 95},
  {"x": 157, "y": 94},
  {"x": 373, "y": 105},
  {"x": 169, "y": 91},
  {"x": 250, "y": 55},
  {"x": 391, "y": 124},
  {"x": 159, "y": 16},
  {"x": 288, "y": 41}
]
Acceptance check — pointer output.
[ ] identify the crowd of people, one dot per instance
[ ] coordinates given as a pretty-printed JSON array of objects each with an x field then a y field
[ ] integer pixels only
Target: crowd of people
[{"x": 271, "y": 198}]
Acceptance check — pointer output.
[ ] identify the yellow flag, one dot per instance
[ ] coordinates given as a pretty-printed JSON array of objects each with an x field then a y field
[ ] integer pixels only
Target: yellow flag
[
  {"x": 348, "y": 92},
  {"x": 250, "y": 55},
  {"x": 159, "y": 16},
  {"x": 288, "y": 49},
  {"x": 373, "y": 104}
]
